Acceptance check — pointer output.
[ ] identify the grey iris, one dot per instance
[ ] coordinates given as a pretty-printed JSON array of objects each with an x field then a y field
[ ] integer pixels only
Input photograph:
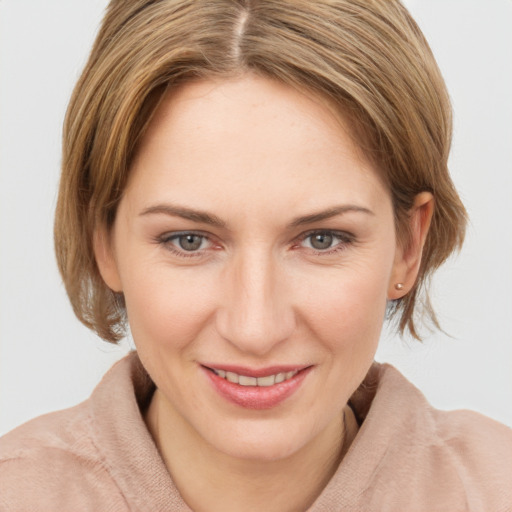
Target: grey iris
[
  {"x": 190, "y": 242},
  {"x": 321, "y": 241}
]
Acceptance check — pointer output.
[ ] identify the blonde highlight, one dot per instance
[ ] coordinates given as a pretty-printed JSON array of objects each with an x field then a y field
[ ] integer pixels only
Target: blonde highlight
[{"x": 366, "y": 58}]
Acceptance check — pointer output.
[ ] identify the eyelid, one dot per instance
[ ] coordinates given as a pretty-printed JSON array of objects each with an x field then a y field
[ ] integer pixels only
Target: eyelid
[
  {"x": 345, "y": 238},
  {"x": 167, "y": 238},
  {"x": 169, "y": 235}
]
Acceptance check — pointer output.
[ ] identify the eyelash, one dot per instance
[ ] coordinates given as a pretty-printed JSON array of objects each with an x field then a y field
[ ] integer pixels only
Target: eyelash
[
  {"x": 344, "y": 240},
  {"x": 166, "y": 241}
]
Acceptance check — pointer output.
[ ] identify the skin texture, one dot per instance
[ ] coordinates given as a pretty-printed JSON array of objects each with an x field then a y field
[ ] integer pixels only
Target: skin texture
[{"x": 256, "y": 156}]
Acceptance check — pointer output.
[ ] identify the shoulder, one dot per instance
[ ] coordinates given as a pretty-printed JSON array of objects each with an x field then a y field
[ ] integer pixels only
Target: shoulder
[
  {"x": 419, "y": 455},
  {"x": 475, "y": 443},
  {"x": 479, "y": 448},
  {"x": 467, "y": 449},
  {"x": 52, "y": 461}
]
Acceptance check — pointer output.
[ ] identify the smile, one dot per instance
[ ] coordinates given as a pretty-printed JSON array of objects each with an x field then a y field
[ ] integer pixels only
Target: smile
[
  {"x": 261, "y": 389},
  {"x": 245, "y": 380}
]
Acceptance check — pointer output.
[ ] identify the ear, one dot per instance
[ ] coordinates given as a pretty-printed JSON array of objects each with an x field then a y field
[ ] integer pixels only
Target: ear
[
  {"x": 408, "y": 257},
  {"x": 105, "y": 259}
]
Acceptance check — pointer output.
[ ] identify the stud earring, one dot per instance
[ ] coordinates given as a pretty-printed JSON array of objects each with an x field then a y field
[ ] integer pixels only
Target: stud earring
[{"x": 399, "y": 286}]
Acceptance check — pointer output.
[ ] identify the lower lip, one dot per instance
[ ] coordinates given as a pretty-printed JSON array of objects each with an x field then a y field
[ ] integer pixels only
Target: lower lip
[{"x": 256, "y": 397}]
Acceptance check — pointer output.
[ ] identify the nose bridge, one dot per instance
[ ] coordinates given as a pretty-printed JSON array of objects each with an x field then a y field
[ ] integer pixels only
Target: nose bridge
[{"x": 256, "y": 314}]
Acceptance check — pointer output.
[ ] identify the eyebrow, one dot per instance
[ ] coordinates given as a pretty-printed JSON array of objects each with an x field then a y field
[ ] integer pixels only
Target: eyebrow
[
  {"x": 185, "y": 213},
  {"x": 212, "y": 220},
  {"x": 328, "y": 214}
]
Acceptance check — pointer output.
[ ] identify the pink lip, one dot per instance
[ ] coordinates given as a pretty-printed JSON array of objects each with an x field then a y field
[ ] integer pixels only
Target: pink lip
[{"x": 255, "y": 397}]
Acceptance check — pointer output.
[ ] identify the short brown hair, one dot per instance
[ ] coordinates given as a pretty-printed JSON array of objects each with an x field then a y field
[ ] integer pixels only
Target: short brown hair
[{"x": 367, "y": 58}]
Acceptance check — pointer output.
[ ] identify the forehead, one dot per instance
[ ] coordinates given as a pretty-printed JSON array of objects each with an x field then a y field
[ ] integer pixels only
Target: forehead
[
  {"x": 248, "y": 139},
  {"x": 250, "y": 108}
]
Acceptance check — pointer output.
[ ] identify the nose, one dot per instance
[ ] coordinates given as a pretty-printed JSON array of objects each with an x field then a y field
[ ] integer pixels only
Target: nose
[{"x": 256, "y": 313}]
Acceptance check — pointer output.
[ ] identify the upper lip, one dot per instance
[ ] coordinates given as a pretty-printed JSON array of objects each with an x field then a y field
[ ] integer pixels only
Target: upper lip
[{"x": 256, "y": 372}]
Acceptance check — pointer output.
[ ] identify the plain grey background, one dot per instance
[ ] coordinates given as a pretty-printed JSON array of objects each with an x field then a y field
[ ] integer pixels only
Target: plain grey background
[{"x": 49, "y": 361}]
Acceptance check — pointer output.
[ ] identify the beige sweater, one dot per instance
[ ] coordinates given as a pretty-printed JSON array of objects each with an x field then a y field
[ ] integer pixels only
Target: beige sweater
[{"x": 406, "y": 457}]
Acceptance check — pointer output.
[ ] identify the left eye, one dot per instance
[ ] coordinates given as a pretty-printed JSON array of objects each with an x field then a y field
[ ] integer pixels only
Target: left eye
[
  {"x": 322, "y": 241},
  {"x": 188, "y": 242}
]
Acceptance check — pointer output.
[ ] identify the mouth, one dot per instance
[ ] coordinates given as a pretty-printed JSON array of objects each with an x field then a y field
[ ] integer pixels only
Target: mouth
[
  {"x": 246, "y": 380},
  {"x": 256, "y": 389}
]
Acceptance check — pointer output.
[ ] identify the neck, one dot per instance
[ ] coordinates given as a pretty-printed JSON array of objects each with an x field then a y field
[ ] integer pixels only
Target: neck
[{"x": 209, "y": 480}]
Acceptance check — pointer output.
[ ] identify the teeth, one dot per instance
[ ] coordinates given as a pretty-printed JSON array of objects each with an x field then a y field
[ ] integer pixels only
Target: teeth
[
  {"x": 266, "y": 381},
  {"x": 247, "y": 381},
  {"x": 280, "y": 377},
  {"x": 232, "y": 377},
  {"x": 244, "y": 380}
]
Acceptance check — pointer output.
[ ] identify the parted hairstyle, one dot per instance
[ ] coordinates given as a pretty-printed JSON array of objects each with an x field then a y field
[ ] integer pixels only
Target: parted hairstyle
[{"x": 366, "y": 58}]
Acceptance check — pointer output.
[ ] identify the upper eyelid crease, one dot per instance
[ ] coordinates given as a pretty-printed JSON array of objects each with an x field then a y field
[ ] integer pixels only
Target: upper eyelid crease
[
  {"x": 341, "y": 235},
  {"x": 176, "y": 234}
]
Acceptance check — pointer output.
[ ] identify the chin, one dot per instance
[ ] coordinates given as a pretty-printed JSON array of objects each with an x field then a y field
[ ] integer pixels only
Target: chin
[{"x": 260, "y": 440}]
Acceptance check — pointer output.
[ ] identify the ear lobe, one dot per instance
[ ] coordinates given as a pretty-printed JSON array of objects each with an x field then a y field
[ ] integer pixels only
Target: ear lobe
[
  {"x": 408, "y": 258},
  {"x": 105, "y": 259}
]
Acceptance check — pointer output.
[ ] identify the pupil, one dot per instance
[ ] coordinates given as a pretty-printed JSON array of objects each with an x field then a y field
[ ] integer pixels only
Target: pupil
[
  {"x": 190, "y": 242},
  {"x": 321, "y": 241}
]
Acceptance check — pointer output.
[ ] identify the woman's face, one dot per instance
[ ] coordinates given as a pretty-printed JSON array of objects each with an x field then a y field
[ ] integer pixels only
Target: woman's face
[{"x": 254, "y": 244}]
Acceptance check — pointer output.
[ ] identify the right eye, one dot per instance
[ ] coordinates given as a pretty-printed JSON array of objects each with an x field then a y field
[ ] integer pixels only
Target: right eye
[
  {"x": 185, "y": 243},
  {"x": 190, "y": 242},
  {"x": 321, "y": 241}
]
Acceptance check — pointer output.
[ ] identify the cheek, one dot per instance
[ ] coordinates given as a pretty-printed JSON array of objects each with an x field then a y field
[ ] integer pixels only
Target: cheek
[
  {"x": 165, "y": 306},
  {"x": 347, "y": 311}
]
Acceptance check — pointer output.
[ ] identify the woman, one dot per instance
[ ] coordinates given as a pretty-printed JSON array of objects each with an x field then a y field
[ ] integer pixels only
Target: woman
[{"x": 250, "y": 186}]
